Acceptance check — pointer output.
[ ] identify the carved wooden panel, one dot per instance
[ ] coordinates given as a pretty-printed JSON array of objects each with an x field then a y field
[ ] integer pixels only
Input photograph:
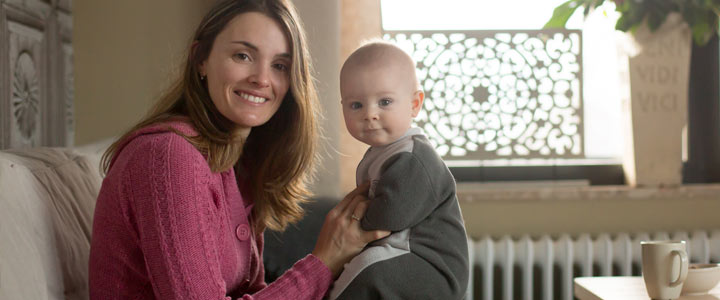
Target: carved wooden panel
[
  {"x": 36, "y": 95},
  {"x": 26, "y": 85}
]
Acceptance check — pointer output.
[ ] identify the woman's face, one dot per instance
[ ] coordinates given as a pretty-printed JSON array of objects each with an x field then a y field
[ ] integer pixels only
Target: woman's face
[{"x": 248, "y": 69}]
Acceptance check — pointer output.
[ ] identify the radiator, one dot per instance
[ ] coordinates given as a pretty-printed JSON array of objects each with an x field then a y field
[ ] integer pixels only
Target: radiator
[{"x": 544, "y": 267}]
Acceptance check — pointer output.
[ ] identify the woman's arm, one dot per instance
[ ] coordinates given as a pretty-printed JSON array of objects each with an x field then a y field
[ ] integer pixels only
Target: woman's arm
[{"x": 309, "y": 276}]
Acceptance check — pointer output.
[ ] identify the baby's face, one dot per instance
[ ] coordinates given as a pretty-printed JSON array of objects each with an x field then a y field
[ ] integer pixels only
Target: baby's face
[{"x": 379, "y": 103}]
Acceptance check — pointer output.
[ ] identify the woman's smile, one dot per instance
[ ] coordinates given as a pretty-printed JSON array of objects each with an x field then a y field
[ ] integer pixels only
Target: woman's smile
[{"x": 251, "y": 98}]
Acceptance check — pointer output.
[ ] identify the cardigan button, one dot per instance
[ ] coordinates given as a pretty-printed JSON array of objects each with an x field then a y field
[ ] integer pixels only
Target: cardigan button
[{"x": 242, "y": 232}]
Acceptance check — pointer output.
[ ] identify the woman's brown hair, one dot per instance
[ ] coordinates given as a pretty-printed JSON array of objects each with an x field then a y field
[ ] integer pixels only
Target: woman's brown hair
[{"x": 280, "y": 154}]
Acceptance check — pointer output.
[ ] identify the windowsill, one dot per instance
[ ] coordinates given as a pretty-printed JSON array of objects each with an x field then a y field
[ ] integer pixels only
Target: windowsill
[
  {"x": 576, "y": 190},
  {"x": 568, "y": 207}
]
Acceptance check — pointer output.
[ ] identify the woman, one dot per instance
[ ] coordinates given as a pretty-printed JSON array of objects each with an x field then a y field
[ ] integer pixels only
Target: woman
[{"x": 226, "y": 153}]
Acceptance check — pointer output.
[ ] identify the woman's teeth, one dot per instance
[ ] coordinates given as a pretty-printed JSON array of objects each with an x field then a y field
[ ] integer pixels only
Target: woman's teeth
[{"x": 252, "y": 98}]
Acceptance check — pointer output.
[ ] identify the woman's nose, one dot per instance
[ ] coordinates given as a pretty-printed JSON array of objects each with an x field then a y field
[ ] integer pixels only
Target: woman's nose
[{"x": 260, "y": 76}]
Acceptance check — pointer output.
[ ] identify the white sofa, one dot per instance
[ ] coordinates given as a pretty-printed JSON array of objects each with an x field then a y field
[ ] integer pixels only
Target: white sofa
[{"x": 47, "y": 199}]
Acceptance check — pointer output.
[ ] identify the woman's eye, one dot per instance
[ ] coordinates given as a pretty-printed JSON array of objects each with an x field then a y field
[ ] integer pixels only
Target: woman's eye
[
  {"x": 241, "y": 56},
  {"x": 281, "y": 67},
  {"x": 385, "y": 102},
  {"x": 355, "y": 105}
]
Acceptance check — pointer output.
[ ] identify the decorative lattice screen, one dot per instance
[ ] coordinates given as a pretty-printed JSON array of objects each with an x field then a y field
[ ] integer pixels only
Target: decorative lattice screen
[{"x": 499, "y": 94}]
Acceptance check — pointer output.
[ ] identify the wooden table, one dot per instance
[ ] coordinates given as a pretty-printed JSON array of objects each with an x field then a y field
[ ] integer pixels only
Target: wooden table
[{"x": 624, "y": 288}]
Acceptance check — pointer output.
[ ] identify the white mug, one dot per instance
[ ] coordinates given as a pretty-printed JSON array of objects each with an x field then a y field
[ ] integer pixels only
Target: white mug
[{"x": 664, "y": 268}]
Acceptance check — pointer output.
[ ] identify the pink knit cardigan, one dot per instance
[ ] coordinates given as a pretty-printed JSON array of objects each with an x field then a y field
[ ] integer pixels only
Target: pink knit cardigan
[{"x": 166, "y": 227}]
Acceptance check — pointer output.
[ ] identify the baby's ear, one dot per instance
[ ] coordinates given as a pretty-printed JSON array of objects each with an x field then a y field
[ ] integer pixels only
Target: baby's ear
[{"x": 417, "y": 102}]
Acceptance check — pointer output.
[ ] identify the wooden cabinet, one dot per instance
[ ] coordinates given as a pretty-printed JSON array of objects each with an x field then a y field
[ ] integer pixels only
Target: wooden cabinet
[{"x": 36, "y": 73}]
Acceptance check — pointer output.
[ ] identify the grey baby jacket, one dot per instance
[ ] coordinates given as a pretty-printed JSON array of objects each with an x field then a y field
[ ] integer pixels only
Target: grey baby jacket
[{"x": 412, "y": 194}]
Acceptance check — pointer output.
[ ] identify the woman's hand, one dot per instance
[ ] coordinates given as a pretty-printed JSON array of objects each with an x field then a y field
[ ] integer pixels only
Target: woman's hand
[{"x": 341, "y": 237}]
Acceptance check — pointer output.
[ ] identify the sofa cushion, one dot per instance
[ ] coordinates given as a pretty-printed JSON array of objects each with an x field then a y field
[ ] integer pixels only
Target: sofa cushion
[
  {"x": 48, "y": 198},
  {"x": 29, "y": 269}
]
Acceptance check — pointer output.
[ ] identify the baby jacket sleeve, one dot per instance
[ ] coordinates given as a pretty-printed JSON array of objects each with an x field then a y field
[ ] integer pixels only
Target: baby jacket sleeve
[{"x": 404, "y": 195}]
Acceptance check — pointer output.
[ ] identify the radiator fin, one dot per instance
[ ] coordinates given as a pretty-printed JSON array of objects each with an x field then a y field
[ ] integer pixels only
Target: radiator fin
[{"x": 547, "y": 265}]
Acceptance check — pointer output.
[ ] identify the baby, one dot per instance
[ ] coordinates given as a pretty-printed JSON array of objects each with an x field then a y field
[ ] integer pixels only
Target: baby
[{"x": 412, "y": 192}]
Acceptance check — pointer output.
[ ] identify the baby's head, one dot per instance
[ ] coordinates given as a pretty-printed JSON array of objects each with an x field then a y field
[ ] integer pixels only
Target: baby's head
[{"x": 380, "y": 93}]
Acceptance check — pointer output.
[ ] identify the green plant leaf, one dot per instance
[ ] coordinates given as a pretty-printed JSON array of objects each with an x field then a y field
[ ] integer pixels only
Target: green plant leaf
[
  {"x": 632, "y": 16},
  {"x": 701, "y": 19},
  {"x": 700, "y": 15},
  {"x": 623, "y": 7},
  {"x": 702, "y": 32},
  {"x": 562, "y": 14},
  {"x": 622, "y": 24}
]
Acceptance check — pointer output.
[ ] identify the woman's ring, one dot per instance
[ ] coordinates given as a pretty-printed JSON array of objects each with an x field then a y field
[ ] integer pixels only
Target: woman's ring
[{"x": 354, "y": 217}]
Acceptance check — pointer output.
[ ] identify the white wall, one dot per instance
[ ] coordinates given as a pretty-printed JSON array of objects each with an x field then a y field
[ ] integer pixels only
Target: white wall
[
  {"x": 124, "y": 53},
  {"x": 322, "y": 23}
]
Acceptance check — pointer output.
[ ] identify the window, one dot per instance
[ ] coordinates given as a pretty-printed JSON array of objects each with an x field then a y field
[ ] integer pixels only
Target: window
[{"x": 506, "y": 100}]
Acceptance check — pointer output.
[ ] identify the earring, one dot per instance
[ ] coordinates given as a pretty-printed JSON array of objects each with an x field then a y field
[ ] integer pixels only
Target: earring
[{"x": 202, "y": 77}]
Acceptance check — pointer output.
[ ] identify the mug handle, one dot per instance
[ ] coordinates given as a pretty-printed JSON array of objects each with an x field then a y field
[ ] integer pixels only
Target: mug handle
[{"x": 683, "y": 267}]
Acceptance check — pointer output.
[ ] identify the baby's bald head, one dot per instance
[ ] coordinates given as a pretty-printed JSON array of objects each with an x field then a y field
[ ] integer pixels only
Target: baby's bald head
[{"x": 381, "y": 54}]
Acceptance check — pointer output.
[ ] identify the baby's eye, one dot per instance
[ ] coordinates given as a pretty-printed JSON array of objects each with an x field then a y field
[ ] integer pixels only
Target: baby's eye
[
  {"x": 385, "y": 102},
  {"x": 355, "y": 105}
]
